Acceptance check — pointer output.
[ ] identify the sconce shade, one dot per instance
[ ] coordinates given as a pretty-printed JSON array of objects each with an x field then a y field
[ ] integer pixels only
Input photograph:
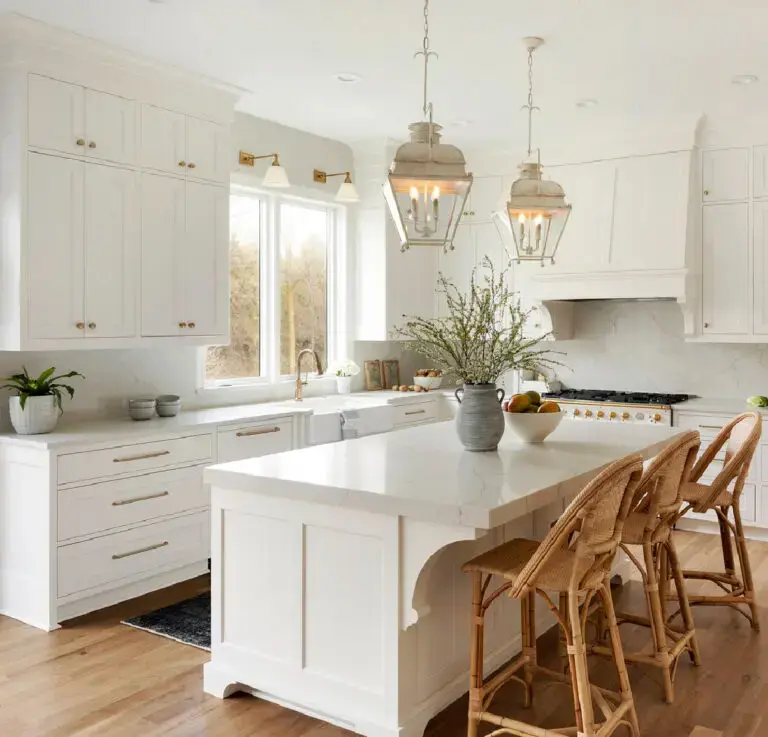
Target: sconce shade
[
  {"x": 276, "y": 177},
  {"x": 347, "y": 193}
]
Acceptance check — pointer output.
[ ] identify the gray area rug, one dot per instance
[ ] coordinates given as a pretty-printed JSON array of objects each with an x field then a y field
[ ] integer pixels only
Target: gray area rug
[{"x": 188, "y": 622}]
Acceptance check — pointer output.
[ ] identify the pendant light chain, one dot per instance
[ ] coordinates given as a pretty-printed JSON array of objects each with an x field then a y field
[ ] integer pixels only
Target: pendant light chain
[
  {"x": 530, "y": 107},
  {"x": 426, "y": 53}
]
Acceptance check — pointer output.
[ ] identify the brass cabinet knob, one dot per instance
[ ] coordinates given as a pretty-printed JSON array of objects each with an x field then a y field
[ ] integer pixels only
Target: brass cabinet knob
[
  {"x": 182, "y": 163},
  {"x": 80, "y": 325},
  {"x": 191, "y": 165},
  {"x": 92, "y": 144},
  {"x": 92, "y": 325},
  {"x": 706, "y": 324},
  {"x": 706, "y": 192},
  {"x": 191, "y": 325},
  {"x": 182, "y": 324},
  {"x": 600, "y": 414},
  {"x": 625, "y": 415},
  {"x": 80, "y": 142}
]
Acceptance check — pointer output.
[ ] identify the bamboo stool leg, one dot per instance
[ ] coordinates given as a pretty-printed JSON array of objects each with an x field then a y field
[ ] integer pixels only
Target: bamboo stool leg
[
  {"x": 682, "y": 597},
  {"x": 618, "y": 657},
  {"x": 657, "y": 619},
  {"x": 528, "y": 603},
  {"x": 565, "y": 662},
  {"x": 476, "y": 656},
  {"x": 746, "y": 567},
  {"x": 585, "y": 716},
  {"x": 725, "y": 542}
]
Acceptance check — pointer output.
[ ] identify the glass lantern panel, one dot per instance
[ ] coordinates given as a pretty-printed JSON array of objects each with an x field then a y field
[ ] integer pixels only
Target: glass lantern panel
[
  {"x": 536, "y": 233},
  {"x": 426, "y": 211}
]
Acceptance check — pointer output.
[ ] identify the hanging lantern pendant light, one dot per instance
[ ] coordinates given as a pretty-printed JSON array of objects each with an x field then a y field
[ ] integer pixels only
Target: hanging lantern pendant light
[
  {"x": 536, "y": 209},
  {"x": 428, "y": 183}
]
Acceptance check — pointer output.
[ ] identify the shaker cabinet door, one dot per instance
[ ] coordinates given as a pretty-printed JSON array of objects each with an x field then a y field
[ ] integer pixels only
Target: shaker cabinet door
[
  {"x": 55, "y": 119},
  {"x": 110, "y": 125},
  {"x": 724, "y": 174},
  {"x": 726, "y": 294},
  {"x": 112, "y": 232},
  {"x": 207, "y": 150},
  {"x": 204, "y": 269},
  {"x": 162, "y": 250},
  {"x": 55, "y": 249},
  {"x": 162, "y": 140}
]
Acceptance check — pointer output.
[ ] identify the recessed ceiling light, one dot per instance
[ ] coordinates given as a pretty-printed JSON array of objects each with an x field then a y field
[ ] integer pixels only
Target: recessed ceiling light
[
  {"x": 347, "y": 77},
  {"x": 586, "y": 102},
  {"x": 744, "y": 79}
]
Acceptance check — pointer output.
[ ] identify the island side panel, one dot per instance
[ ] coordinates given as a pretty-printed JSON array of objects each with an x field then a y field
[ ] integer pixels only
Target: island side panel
[{"x": 305, "y": 608}]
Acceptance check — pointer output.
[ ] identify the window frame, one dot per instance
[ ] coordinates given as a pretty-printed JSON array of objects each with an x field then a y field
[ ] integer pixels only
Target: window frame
[{"x": 269, "y": 286}]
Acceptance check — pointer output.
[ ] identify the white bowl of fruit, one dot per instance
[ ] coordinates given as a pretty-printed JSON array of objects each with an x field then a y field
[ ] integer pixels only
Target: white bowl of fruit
[
  {"x": 531, "y": 418},
  {"x": 428, "y": 378}
]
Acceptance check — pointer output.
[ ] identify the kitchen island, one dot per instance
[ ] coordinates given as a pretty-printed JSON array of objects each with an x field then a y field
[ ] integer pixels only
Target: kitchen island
[{"x": 336, "y": 575}]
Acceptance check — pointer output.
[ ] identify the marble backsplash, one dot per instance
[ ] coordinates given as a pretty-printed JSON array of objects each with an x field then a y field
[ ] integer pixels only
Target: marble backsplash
[{"x": 639, "y": 346}]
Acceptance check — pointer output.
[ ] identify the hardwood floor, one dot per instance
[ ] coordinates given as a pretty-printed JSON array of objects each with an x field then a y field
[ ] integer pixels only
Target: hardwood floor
[{"x": 98, "y": 678}]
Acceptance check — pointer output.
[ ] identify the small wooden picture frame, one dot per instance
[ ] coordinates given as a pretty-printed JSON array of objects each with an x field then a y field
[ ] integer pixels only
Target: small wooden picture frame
[
  {"x": 390, "y": 370},
  {"x": 373, "y": 376}
]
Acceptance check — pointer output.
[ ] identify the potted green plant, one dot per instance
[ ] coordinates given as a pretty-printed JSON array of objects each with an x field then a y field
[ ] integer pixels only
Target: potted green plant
[
  {"x": 481, "y": 338},
  {"x": 36, "y": 407}
]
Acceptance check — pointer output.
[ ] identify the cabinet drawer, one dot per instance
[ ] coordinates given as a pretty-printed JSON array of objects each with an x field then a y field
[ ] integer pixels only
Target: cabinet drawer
[
  {"x": 415, "y": 413},
  {"x": 115, "y": 560},
  {"x": 250, "y": 441},
  {"x": 94, "y": 464},
  {"x": 707, "y": 425},
  {"x": 86, "y": 510},
  {"x": 717, "y": 465}
]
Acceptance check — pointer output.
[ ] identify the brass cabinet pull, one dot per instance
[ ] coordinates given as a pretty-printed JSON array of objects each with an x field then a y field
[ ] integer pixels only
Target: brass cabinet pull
[
  {"x": 133, "y": 500},
  {"x": 80, "y": 325},
  {"x": 182, "y": 324},
  {"x": 191, "y": 165},
  {"x": 120, "y": 556},
  {"x": 80, "y": 142},
  {"x": 706, "y": 192},
  {"x": 92, "y": 325},
  {"x": 142, "y": 457},
  {"x": 416, "y": 412},
  {"x": 191, "y": 325},
  {"x": 258, "y": 431},
  {"x": 92, "y": 144},
  {"x": 711, "y": 427},
  {"x": 706, "y": 324},
  {"x": 182, "y": 163}
]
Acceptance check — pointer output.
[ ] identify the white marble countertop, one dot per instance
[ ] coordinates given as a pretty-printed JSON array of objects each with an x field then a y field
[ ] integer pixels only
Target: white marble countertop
[
  {"x": 80, "y": 432},
  {"x": 720, "y": 406},
  {"x": 424, "y": 472}
]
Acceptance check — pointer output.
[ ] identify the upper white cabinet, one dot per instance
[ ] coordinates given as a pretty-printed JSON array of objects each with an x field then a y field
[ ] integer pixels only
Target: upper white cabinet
[
  {"x": 83, "y": 249},
  {"x": 183, "y": 145},
  {"x": 725, "y": 175},
  {"x": 75, "y": 120},
  {"x": 103, "y": 162},
  {"x": 726, "y": 288},
  {"x": 760, "y": 172},
  {"x": 185, "y": 275},
  {"x": 760, "y": 221}
]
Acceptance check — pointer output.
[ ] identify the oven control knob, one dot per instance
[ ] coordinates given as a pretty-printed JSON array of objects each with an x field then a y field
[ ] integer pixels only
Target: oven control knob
[
  {"x": 639, "y": 416},
  {"x": 600, "y": 414},
  {"x": 576, "y": 412},
  {"x": 612, "y": 416},
  {"x": 588, "y": 413},
  {"x": 657, "y": 418},
  {"x": 625, "y": 415}
]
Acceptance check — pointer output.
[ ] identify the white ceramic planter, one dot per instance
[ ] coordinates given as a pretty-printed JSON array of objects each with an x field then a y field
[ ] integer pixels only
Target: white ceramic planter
[
  {"x": 39, "y": 416},
  {"x": 344, "y": 384}
]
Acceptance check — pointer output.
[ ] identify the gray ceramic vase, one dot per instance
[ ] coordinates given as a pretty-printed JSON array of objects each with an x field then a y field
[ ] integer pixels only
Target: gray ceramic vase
[{"x": 480, "y": 422}]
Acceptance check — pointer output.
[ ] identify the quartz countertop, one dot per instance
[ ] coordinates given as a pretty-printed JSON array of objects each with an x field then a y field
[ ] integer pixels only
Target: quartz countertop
[
  {"x": 717, "y": 405},
  {"x": 81, "y": 432},
  {"x": 424, "y": 472}
]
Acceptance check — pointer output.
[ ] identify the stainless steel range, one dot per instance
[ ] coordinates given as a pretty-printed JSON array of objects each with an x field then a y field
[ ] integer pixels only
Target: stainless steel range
[{"x": 606, "y": 405}]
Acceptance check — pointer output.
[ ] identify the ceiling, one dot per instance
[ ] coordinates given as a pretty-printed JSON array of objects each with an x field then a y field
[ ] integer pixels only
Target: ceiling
[{"x": 646, "y": 61}]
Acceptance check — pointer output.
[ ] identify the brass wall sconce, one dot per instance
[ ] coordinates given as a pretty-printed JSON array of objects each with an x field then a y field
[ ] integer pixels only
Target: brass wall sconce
[
  {"x": 347, "y": 192},
  {"x": 275, "y": 175}
]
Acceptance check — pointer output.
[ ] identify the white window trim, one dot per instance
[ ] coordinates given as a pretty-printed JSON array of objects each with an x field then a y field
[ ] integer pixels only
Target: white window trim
[{"x": 272, "y": 383}]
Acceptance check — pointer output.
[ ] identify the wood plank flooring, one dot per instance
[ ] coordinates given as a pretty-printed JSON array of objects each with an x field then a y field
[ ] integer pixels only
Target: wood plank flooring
[{"x": 98, "y": 678}]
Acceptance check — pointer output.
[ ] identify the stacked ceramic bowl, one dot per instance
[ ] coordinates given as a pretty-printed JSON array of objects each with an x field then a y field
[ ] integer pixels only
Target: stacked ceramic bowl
[
  {"x": 141, "y": 409},
  {"x": 168, "y": 405}
]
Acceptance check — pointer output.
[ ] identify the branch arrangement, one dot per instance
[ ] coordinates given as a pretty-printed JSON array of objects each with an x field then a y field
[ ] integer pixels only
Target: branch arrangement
[{"x": 482, "y": 337}]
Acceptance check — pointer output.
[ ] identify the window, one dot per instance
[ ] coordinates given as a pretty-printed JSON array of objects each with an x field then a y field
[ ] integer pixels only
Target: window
[{"x": 282, "y": 256}]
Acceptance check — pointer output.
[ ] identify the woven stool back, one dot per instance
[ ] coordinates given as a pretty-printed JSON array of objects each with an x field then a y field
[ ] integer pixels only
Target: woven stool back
[{"x": 590, "y": 527}]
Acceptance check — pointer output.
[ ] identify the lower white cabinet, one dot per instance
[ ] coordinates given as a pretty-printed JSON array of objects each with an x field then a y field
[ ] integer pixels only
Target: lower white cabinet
[{"x": 253, "y": 440}]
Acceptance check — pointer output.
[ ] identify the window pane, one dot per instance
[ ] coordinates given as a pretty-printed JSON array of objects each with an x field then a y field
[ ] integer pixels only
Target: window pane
[
  {"x": 241, "y": 358},
  {"x": 303, "y": 256}
]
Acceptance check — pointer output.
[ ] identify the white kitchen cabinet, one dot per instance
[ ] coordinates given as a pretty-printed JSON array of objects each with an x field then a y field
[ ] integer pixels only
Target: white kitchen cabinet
[
  {"x": 83, "y": 246},
  {"x": 760, "y": 249},
  {"x": 185, "y": 283},
  {"x": 724, "y": 175},
  {"x": 55, "y": 247},
  {"x": 184, "y": 145},
  {"x": 56, "y": 118},
  {"x": 112, "y": 233},
  {"x": 760, "y": 171},
  {"x": 110, "y": 127},
  {"x": 75, "y": 120},
  {"x": 726, "y": 287}
]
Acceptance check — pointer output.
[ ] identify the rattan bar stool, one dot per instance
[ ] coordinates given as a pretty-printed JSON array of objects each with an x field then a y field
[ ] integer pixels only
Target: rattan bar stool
[
  {"x": 654, "y": 509},
  {"x": 740, "y": 438},
  {"x": 574, "y": 558}
]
